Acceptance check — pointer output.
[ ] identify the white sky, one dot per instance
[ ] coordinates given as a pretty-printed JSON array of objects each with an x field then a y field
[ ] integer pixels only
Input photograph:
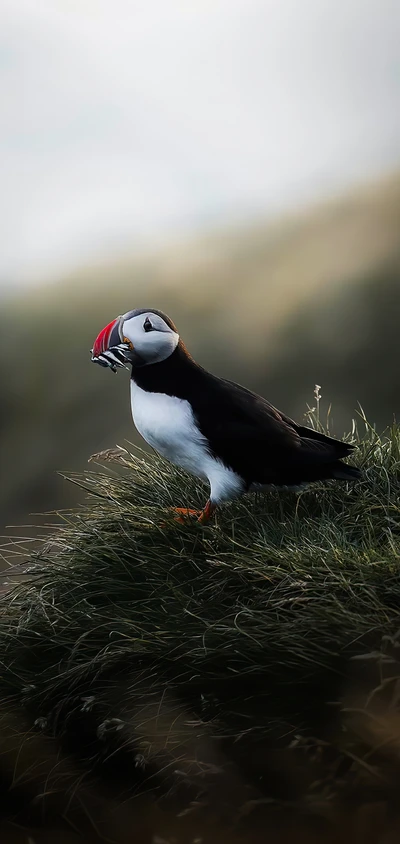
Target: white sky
[{"x": 130, "y": 119}]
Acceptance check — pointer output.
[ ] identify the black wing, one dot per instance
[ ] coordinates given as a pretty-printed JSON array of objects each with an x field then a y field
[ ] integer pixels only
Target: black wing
[{"x": 260, "y": 443}]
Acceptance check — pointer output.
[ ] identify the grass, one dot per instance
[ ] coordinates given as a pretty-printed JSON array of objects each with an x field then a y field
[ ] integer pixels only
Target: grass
[{"x": 274, "y": 627}]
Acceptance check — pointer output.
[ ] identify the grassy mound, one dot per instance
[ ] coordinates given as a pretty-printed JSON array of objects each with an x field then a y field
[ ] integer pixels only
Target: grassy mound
[{"x": 156, "y": 652}]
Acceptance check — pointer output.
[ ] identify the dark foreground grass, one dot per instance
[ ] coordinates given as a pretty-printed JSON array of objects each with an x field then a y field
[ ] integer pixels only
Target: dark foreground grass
[{"x": 252, "y": 661}]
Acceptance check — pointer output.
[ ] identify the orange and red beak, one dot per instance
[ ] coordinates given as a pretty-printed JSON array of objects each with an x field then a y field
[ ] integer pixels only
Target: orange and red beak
[
  {"x": 109, "y": 348},
  {"x": 108, "y": 337}
]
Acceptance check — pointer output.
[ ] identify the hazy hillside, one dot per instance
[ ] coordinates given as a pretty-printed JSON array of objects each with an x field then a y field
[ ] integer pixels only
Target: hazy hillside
[{"x": 313, "y": 298}]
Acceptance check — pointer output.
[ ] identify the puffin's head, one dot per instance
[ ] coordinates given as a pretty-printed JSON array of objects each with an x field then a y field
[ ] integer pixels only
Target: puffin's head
[{"x": 137, "y": 338}]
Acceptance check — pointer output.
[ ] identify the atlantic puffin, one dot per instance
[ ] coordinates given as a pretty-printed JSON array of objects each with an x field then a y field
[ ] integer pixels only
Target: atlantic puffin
[{"x": 216, "y": 429}]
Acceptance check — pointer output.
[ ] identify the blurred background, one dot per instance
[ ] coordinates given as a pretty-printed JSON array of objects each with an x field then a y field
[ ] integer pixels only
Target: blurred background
[{"x": 235, "y": 163}]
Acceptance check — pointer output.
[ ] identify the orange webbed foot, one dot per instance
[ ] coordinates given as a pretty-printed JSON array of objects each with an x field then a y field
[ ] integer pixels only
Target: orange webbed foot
[{"x": 185, "y": 513}]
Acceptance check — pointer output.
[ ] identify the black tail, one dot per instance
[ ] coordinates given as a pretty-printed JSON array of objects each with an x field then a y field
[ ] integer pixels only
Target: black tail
[
  {"x": 342, "y": 449},
  {"x": 342, "y": 472}
]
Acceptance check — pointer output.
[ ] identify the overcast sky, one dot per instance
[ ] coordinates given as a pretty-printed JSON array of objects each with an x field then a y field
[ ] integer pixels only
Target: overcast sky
[{"x": 131, "y": 119}]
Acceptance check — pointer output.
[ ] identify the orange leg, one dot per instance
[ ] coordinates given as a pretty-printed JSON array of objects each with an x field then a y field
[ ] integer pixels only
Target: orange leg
[
  {"x": 207, "y": 513},
  {"x": 203, "y": 516}
]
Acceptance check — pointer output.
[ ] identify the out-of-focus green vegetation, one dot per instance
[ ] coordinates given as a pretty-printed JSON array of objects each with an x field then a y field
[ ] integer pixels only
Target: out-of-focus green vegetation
[{"x": 279, "y": 307}]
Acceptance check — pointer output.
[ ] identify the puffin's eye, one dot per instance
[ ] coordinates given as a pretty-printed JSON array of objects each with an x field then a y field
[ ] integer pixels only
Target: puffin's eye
[{"x": 147, "y": 325}]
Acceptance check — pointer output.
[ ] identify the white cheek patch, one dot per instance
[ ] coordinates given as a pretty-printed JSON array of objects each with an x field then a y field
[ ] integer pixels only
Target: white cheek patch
[
  {"x": 152, "y": 346},
  {"x": 156, "y": 346}
]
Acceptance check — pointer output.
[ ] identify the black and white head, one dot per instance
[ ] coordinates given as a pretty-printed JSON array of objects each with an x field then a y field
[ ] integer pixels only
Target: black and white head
[{"x": 137, "y": 338}]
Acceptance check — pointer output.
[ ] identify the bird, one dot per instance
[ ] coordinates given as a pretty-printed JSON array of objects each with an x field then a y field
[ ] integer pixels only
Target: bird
[{"x": 213, "y": 428}]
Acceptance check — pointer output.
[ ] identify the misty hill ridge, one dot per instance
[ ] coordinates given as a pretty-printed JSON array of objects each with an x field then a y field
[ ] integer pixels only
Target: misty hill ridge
[{"x": 291, "y": 259}]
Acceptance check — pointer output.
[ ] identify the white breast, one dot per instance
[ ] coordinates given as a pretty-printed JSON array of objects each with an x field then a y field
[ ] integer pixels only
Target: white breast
[{"x": 168, "y": 425}]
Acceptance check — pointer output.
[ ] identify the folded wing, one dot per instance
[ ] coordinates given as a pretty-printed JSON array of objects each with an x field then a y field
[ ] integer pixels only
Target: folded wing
[{"x": 265, "y": 446}]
